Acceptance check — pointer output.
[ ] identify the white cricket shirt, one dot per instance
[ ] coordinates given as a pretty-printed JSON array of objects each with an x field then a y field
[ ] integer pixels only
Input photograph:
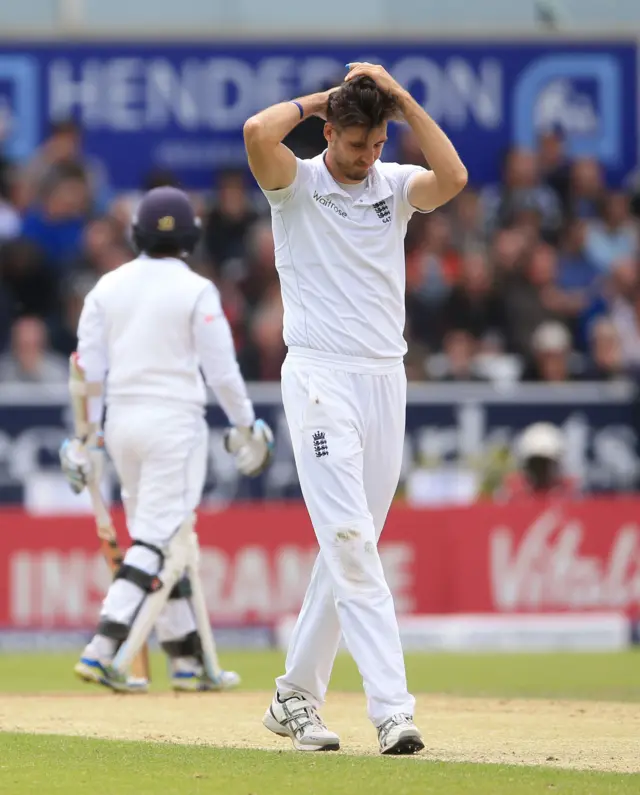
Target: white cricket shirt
[
  {"x": 340, "y": 259},
  {"x": 149, "y": 326}
]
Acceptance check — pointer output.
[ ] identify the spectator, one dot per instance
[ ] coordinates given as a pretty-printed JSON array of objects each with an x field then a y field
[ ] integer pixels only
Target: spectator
[
  {"x": 6, "y": 316},
  {"x": 522, "y": 191},
  {"x": 457, "y": 361},
  {"x": 227, "y": 225},
  {"x": 576, "y": 271},
  {"x": 614, "y": 237},
  {"x": 632, "y": 184},
  {"x": 614, "y": 299},
  {"x": 437, "y": 251},
  {"x": 480, "y": 277},
  {"x": 63, "y": 149},
  {"x": 534, "y": 297},
  {"x": 427, "y": 285},
  {"x": 56, "y": 224},
  {"x": 586, "y": 189},
  {"x": 551, "y": 351},
  {"x": 508, "y": 252},
  {"x": 473, "y": 304},
  {"x": 540, "y": 453},
  {"x": 9, "y": 216},
  {"x": 30, "y": 360},
  {"x": 266, "y": 334},
  {"x": 10, "y": 222},
  {"x": 553, "y": 163},
  {"x": 606, "y": 358},
  {"x": 32, "y": 287},
  {"x": 260, "y": 273},
  {"x": 625, "y": 316},
  {"x": 467, "y": 222},
  {"x": 102, "y": 244}
]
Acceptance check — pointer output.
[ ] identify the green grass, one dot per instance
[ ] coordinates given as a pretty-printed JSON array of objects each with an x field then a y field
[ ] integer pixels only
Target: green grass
[
  {"x": 57, "y": 764},
  {"x": 75, "y": 766},
  {"x": 610, "y": 677}
]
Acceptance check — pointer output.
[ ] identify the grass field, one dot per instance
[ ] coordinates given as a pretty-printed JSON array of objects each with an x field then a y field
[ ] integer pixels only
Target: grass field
[{"x": 559, "y": 723}]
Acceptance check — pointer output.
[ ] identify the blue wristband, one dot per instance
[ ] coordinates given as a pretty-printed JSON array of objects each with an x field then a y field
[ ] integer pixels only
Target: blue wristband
[{"x": 300, "y": 108}]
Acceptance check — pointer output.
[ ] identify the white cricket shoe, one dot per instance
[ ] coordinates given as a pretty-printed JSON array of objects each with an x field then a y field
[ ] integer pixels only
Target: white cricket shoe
[
  {"x": 90, "y": 669},
  {"x": 297, "y": 718},
  {"x": 192, "y": 682},
  {"x": 399, "y": 735}
]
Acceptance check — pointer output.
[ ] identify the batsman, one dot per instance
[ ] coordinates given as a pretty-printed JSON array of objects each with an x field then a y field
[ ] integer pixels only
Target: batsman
[{"x": 147, "y": 334}]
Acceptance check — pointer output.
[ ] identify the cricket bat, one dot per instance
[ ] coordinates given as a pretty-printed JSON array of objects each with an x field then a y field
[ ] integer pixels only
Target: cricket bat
[{"x": 112, "y": 553}]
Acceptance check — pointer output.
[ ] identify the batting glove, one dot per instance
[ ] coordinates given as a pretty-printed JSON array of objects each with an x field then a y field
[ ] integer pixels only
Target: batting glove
[
  {"x": 252, "y": 447},
  {"x": 80, "y": 462}
]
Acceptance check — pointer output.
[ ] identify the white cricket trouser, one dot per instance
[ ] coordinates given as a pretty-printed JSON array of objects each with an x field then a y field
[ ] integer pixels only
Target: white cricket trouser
[
  {"x": 346, "y": 418},
  {"x": 159, "y": 451}
]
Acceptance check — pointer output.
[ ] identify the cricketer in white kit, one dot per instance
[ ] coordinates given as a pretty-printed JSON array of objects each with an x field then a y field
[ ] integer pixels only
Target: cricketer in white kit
[
  {"x": 339, "y": 222},
  {"x": 146, "y": 331}
]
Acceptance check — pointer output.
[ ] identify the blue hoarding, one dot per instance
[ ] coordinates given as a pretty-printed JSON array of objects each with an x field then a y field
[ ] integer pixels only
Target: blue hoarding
[{"x": 182, "y": 106}]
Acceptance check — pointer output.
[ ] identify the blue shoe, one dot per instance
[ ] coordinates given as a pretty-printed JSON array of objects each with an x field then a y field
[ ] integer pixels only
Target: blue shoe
[
  {"x": 192, "y": 682},
  {"x": 92, "y": 670}
]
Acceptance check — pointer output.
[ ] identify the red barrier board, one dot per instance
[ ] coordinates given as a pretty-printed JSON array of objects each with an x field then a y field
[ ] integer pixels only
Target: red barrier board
[{"x": 256, "y": 561}]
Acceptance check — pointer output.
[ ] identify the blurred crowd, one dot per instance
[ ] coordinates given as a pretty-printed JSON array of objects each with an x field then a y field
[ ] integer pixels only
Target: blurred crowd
[{"x": 535, "y": 278}]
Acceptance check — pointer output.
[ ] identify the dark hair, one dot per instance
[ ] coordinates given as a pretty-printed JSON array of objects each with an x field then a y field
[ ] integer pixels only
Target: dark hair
[
  {"x": 63, "y": 172},
  {"x": 161, "y": 250},
  {"x": 360, "y": 102}
]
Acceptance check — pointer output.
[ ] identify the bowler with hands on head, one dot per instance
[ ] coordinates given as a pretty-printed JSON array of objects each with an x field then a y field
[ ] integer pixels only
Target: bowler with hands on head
[{"x": 339, "y": 223}]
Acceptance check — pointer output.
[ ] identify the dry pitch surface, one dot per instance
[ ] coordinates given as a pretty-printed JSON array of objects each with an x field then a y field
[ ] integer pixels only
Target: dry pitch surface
[{"x": 569, "y": 734}]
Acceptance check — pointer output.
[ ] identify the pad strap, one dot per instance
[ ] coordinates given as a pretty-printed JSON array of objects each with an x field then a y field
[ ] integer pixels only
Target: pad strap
[
  {"x": 144, "y": 544},
  {"x": 147, "y": 582},
  {"x": 182, "y": 589},
  {"x": 189, "y": 646},
  {"x": 113, "y": 629}
]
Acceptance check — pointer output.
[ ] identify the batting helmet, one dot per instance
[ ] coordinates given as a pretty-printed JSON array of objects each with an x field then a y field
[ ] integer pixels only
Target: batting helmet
[{"x": 165, "y": 222}]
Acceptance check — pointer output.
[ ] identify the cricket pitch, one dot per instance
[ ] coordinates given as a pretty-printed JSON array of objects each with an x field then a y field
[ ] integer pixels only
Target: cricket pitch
[{"x": 567, "y": 734}]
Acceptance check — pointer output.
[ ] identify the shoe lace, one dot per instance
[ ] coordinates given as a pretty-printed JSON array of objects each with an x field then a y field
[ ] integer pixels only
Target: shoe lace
[
  {"x": 395, "y": 720},
  {"x": 300, "y": 714}
]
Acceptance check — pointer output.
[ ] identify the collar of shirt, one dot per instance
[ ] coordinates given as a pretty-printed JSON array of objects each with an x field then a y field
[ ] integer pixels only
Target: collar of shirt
[
  {"x": 377, "y": 188},
  {"x": 164, "y": 259}
]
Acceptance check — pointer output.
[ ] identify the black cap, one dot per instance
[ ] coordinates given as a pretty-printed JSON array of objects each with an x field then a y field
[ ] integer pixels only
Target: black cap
[{"x": 166, "y": 222}]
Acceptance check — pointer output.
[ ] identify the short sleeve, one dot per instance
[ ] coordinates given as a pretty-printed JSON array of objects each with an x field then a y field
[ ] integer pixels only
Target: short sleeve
[
  {"x": 400, "y": 177},
  {"x": 406, "y": 174},
  {"x": 278, "y": 198},
  {"x": 92, "y": 350}
]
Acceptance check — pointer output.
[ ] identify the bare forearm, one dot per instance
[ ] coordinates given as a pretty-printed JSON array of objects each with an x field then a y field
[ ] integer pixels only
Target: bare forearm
[
  {"x": 273, "y": 124},
  {"x": 436, "y": 147}
]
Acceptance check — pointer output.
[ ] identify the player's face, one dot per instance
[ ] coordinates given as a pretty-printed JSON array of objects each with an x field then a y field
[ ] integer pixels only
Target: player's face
[{"x": 354, "y": 150}]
